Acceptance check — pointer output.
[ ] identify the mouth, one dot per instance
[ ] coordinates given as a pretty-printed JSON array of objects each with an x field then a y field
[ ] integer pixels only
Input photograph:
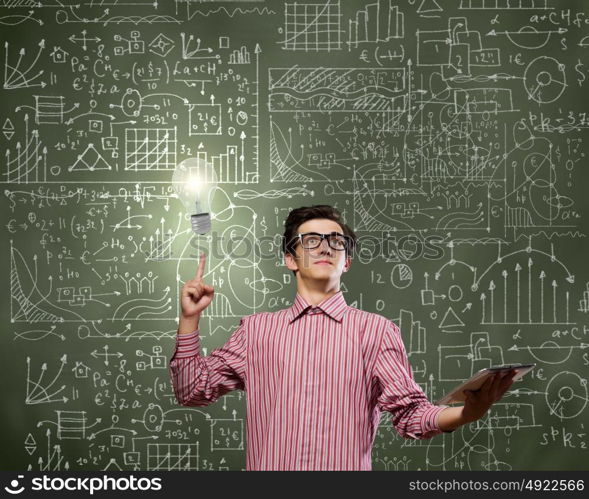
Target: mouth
[{"x": 324, "y": 262}]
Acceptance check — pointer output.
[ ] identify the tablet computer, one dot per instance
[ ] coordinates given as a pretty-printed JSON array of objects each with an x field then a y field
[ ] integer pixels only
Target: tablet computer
[{"x": 477, "y": 380}]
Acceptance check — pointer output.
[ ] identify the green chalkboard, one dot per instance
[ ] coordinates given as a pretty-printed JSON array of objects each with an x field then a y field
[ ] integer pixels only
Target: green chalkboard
[{"x": 451, "y": 134}]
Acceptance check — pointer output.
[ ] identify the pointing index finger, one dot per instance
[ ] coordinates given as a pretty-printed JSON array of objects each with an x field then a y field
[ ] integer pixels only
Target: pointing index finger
[{"x": 201, "y": 267}]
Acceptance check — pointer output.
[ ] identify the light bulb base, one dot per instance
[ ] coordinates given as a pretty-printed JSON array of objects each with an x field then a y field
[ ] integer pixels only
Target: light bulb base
[{"x": 201, "y": 223}]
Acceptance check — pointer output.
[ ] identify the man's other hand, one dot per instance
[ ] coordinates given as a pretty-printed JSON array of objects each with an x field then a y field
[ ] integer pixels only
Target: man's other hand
[
  {"x": 479, "y": 401},
  {"x": 196, "y": 295}
]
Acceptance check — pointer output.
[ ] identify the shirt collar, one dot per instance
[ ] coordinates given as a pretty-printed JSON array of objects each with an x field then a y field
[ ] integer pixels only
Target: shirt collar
[{"x": 334, "y": 307}]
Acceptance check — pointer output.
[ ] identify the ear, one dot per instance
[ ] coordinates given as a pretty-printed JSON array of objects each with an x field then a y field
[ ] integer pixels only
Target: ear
[
  {"x": 290, "y": 262},
  {"x": 348, "y": 263}
]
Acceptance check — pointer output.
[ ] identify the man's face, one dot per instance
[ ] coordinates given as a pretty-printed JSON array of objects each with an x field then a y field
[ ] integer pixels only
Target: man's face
[{"x": 322, "y": 263}]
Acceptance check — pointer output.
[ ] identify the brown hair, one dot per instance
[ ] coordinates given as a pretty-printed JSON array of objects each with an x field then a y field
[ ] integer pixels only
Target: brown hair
[{"x": 299, "y": 216}]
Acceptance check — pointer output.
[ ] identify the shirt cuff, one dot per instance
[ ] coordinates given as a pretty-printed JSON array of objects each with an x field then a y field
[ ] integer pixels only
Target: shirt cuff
[
  {"x": 429, "y": 423},
  {"x": 187, "y": 345}
]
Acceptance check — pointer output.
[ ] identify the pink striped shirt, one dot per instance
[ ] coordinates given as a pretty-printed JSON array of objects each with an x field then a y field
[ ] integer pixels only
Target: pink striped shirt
[{"x": 315, "y": 378}]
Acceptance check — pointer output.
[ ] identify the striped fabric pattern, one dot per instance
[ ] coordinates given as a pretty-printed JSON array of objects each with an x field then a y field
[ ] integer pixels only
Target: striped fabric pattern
[{"x": 316, "y": 379}]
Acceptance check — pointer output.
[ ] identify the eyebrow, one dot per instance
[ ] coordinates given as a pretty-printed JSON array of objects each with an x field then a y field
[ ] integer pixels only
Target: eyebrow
[{"x": 323, "y": 233}]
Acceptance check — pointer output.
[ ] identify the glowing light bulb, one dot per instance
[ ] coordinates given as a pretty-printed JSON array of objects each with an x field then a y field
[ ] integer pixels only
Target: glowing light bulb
[{"x": 194, "y": 180}]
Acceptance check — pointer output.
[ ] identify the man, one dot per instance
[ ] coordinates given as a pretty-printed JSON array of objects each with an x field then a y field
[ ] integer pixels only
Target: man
[{"x": 317, "y": 374}]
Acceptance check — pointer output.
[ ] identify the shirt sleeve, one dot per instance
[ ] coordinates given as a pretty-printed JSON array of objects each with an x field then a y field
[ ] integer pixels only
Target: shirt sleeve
[
  {"x": 413, "y": 415},
  {"x": 200, "y": 381}
]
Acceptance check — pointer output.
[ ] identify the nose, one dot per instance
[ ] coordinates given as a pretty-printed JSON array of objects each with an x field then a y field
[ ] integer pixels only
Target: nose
[{"x": 324, "y": 247}]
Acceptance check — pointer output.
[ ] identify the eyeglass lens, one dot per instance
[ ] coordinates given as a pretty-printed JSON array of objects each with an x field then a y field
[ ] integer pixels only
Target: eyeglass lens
[{"x": 312, "y": 241}]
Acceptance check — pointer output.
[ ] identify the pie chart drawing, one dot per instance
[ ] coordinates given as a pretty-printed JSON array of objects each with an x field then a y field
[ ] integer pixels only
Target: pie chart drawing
[
  {"x": 401, "y": 276},
  {"x": 545, "y": 80},
  {"x": 566, "y": 395}
]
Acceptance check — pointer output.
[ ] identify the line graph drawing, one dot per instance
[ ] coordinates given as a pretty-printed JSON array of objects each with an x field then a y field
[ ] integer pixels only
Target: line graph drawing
[
  {"x": 194, "y": 8},
  {"x": 312, "y": 26},
  {"x": 44, "y": 392},
  {"x": 150, "y": 149},
  {"x": 28, "y": 303},
  {"x": 16, "y": 76},
  {"x": 27, "y": 161},
  {"x": 170, "y": 457}
]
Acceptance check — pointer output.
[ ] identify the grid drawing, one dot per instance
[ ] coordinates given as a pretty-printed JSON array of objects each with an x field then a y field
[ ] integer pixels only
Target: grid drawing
[
  {"x": 150, "y": 149},
  {"x": 172, "y": 457},
  {"x": 312, "y": 27}
]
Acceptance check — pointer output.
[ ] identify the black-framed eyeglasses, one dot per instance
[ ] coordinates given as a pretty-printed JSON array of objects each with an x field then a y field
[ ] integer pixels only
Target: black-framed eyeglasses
[{"x": 312, "y": 240}]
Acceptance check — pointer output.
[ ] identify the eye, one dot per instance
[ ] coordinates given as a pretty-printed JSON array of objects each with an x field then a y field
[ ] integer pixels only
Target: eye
[{"x": 311, "y": 239}]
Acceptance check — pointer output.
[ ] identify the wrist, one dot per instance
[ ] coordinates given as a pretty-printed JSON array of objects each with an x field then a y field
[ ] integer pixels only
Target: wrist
[
  {"x": 463, "y": 416},
  {"x": 451, "y": 418},
  {"x": 193, "y": 317},
  {"x": 188, "y": 324}
]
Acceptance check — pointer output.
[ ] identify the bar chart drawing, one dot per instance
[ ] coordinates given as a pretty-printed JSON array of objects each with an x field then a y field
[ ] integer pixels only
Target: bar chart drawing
[
  {"x": 230, "y": 167},
  {"x": 241, "y": 56},
  {"x": 26, "y": 162},
  {"x": 524, "y": 291},
  {"x": 584, "y": 302},
  {"x": 417, "y": 333},
  {"x": 377, "y": 22}
]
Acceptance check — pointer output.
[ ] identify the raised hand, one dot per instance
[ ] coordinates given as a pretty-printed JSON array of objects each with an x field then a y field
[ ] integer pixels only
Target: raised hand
[{"x": 196, "y": 295}]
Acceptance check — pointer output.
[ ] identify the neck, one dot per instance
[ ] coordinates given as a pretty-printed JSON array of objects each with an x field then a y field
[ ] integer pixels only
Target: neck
[{"x": 316, "y": 291}]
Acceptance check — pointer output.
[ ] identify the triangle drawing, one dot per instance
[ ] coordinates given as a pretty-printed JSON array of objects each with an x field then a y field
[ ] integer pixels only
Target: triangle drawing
[
  {"x": 91, "y": 160},
  {"x": 450, "y": 319},
  {"x": 429, "y": 6}
]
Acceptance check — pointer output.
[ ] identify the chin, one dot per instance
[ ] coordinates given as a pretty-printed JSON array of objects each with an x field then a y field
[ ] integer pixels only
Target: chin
[
  {"x": 325, "y": 273},
  {"x": 323, "y": 269}
]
